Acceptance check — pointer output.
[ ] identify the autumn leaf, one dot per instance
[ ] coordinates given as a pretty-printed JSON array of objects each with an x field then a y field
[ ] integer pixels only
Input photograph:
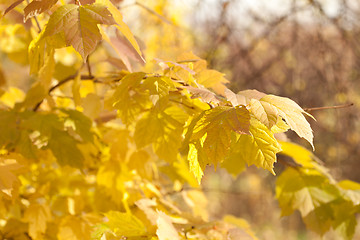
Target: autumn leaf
[
  {"x": 8, "y": 176},
  {"x": 37, "y": 7},
  {"x": 196, "y": 161},
  {"x": 303, "y": 190},
  {"x": 205, "y": 94},
  {"x": 74, "y": 228},
  {"x": 37, "y": 215},
  {"x": 292, "y": 113},
  {"x": 79, "y": 25},
  {"x": 122, "y": 27},
  {"x": 259, "y": 148},
  {"x": 125, "y": 224},
  {"x": 12, "y": 6}
]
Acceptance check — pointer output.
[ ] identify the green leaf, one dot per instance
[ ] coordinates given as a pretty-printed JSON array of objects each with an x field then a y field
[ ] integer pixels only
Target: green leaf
[
  {"x": 64, "y": 148},
  {"x": 125, "y": 224},
  {"x": 319, "y": 219},
  {"x": 8, "y": 127},
  {"x": 82, "y": 124},
  {"x": 344, "y": 219},
  {"x": 79, "y": 24},
  {"x": 303, "y": 190}
]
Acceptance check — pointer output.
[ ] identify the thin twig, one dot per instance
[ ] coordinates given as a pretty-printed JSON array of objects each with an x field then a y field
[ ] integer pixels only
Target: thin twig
[
  {"x": 329, "y": 107},
  {"x": 82, "y": 77},
  {"x": 153, "y": 12}
]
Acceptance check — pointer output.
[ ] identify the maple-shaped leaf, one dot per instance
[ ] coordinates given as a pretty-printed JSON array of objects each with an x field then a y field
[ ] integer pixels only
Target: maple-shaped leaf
[
  {"x": 79, "y": 25},
  {"x": 292, "y": 113},
  {"x": 259, "y": 148},
  {"x": 163, "y": 129},
  {"x": 125, "y": 224},
  {"x": 303, "y": 190},
  {"x": 129, "y": 98},
  {"x": 75, "y": 228},
  {"x": 37, "y": 7},
  {"x": 37, "y": 215},
  {"x": 218, "y": 124},
  {"x": 8, "y": 176}
]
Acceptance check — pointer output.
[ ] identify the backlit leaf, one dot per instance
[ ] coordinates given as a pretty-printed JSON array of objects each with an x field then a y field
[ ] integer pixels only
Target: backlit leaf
[
  {"x": 259, "y": 148},
  {"x": 37, "y": 215},
  {"x": 196, "y": 162},
  {"x": 73, "y": 228},
  {"x": 125, "y": 224},
  {"x": 293, "y": 115},
  {"x": 8, "y": 175},
  {"x": 79, "y": 24},
  {"x": 301, "y": 190},
  {"x": 123, "y": 28}
]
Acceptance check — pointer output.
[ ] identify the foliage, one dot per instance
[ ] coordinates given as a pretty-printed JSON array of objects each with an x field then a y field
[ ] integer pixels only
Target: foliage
[{"x": 121, "y": 154}]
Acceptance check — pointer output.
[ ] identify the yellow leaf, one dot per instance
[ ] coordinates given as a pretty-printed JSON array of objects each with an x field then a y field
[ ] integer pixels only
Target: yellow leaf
[
  {"x": 8, "y": 176},
  {"x": 260, "y": 148},
  {"x": 92, "y": 105},
  {"x": 297, "y": 189},
  {"x": 264, "y": 112},
  {"x": 37, "y": 215},
  {"x": 242, "y": 224},
  {"x": 218, "y": 124},
  {"x": 12, "y": 96},
  {"x": 123, "y": 28},
  {"x": 211, "y": 79},
  {"x": 73, "y": 228},
  {"x": 293, "y": 115},
  {"x": 125, "y": 224},
  {"x": 166, "y": 229},
  {"x": 79, "y": 24},
  {"x": 196, "y": 164}
]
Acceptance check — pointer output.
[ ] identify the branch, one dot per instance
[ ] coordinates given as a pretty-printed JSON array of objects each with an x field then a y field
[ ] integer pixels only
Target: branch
[
  {"x": 329, "y": 107},
  {"x": 82, "y": 77}
]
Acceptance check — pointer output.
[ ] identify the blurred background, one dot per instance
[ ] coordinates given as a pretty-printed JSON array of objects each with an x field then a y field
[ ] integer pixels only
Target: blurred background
[{"x": 307, "y": 50}]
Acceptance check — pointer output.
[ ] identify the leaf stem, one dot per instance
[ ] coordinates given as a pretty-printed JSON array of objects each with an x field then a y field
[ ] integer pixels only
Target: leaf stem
[{"x": 82, "y": 77}]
